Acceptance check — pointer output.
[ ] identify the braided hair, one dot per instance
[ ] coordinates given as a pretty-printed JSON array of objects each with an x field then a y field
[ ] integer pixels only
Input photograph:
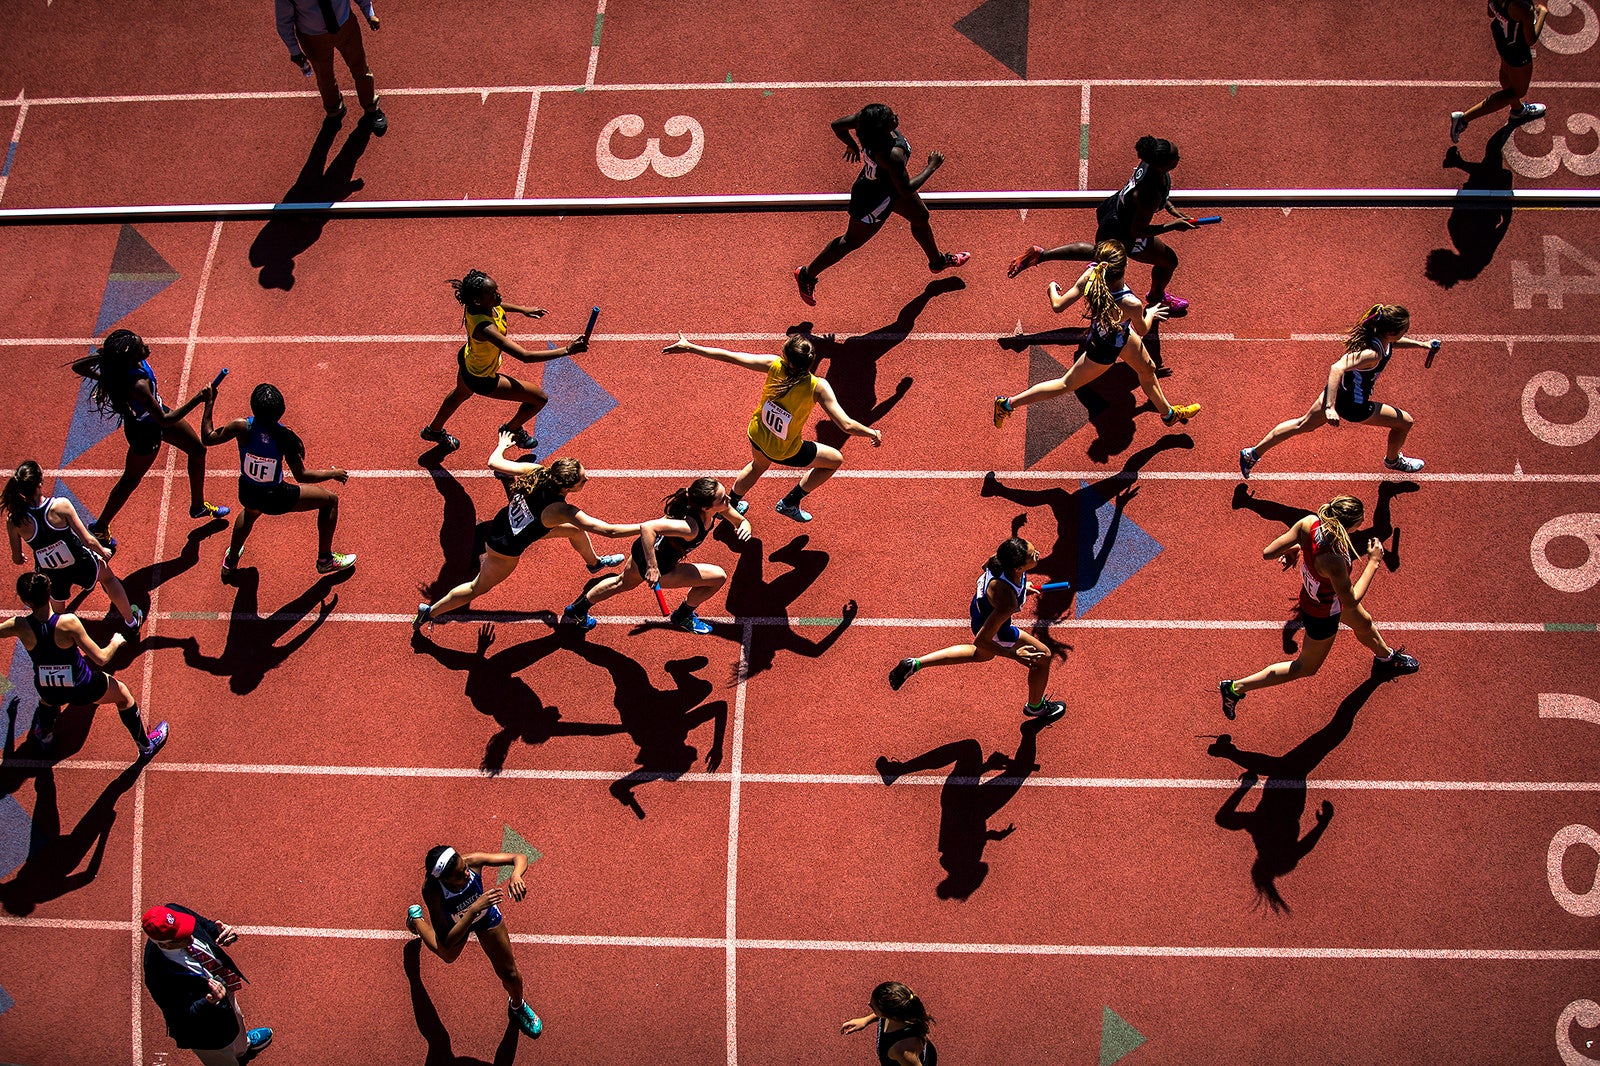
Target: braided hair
[
  {"x": 122, "y": 350},
  {"x": 897, "y": 1002},
  {"x": 266, "y": 403},
  {"x": 1379, "y": 320},
  {"x": 471, "y": 290},
  {"x": 1104, "y": 309},
  {"x": 20, "y": 487},
  {"x": 697, "y": 496},
  {"x": 1339, "y": 516}
]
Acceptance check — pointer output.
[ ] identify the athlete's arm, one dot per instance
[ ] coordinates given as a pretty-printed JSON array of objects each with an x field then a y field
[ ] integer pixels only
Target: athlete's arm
[
  {"x": 501, "y": 465},
  {"x": 211, "y": 436},
  {"x": 1331, "y": 566},
  {"x": 63, "y": 509},
  {"x": 648, "y": 532},
  {"x": 530, "y": 312},
  {"x": 1142, "y": 319},
  {"x": 14, "y": 535},
  {"x": 97, "y": 655},
  {"x": 142, "y": 389},
  {"x": 1374, "y": 556},
  {"x": 740, "y": 524},
  {"x": 1347, "y": 362},
  {"x": 10, "y": 626},
  {"x": 935, "y": 161},
  {"x": 518, "y": 864},
  {"x": 1060, "y": 301},
  {"x": 762, "y": 363},
  {"x": 1413, "y": 342},
  {"x": 830, "y": 405},
  {"x": 1285, "y": 542},
  {"x": 488, "y": 331},
  {"x": 842, "y": 128},
  {"x": 87, "y": 367},
  {"x": 560, "y": 511}
]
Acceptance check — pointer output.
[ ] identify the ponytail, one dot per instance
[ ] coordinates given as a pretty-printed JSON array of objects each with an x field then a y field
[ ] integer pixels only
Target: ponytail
[
  {"x": 1339, "y": 515},
  {"x": 1010, "y": 555},
  {"x": 1379, "y": 319},
  {"x": 1104, "y": 310},
  {"x": 561, "y": 475},
  {"x": 697, "y": 496},
  {"x": 266, "y": 403},
  {"x": 19, "y": 490},
  {"x": 799, "y": 356},
  {"x": 897, "y": 1002}
]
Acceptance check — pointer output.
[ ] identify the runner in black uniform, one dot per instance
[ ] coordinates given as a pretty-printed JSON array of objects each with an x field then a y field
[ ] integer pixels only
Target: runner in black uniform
[
  {"x": 266, "y": 446},
  {"x": 71, "y": 674},
  {"x": 658, "y": 555},
  {"x": 125, "y": 388},
  {"x": 63, "y": 548},
  {"x": 884, "y": 186},
  {"x": 903, "y": 1023},
  {"x": 1347, "y": 395},
  {"x": 1125, "y": 216},
  {"x": 1515, "y": 26},
  {"x": 538, "y": 506}
]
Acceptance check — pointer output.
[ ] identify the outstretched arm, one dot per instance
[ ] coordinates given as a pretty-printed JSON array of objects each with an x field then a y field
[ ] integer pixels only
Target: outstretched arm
[
  {"x": 762, "y": 363},
  {"x": 830, "y": 405},
  {"x": 1060, "y": 301}
]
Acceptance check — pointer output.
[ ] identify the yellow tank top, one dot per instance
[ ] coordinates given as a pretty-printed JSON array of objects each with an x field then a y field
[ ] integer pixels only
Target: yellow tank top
[
  {"x": 482, "y": 357},
  {"x": 778, "y": 425}
]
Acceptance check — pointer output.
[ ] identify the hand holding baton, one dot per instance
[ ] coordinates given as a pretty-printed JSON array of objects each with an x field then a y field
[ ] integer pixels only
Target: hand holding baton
[
  {"x": 1208, "y": 220},
  {"x": 661, "y": 600},
  {"x": 1433, "y": 350}
]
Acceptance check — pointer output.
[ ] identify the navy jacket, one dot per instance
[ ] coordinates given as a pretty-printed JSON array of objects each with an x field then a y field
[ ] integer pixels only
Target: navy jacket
[{"x": 181, "y": 993}]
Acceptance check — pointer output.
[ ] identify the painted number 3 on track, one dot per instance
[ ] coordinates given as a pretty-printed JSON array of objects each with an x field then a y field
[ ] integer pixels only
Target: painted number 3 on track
[{"x": 626, "y": 168}]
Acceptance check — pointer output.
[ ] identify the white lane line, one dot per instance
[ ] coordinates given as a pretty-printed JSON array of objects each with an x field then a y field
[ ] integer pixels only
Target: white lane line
[
  {"x": 527, "y": 152},
  {"x": 1083, "y": 138},
  {"x": 594, "y": 44},
  {"x": 731, "y": 967},
  {"x": 8, "y": 158},
  {"x": 896, "y": 947}
]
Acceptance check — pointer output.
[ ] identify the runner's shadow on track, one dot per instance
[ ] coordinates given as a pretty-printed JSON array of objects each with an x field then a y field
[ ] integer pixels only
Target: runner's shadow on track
[
  {"x": 1382, "y": 526},
  {"x": 1274, "y": 824},
  {"x": 967, "y": 802},
  {"x": 51, "y": 868},
  {"x": 461, "y": 535},
  {"x": 1475, "y": 230},
  {"x": 1080, "y": 552},
  {"x": 142, "y": 582},
  {"x": 431, "y": 1026},
  {"x": 752, "y": 595},
  {"x": 495, "y": 690},
  {"x": 27, "y": 759},
  {"x": 853, "y": 362},
  {"x": 286, "y": 236},
  {"x": 250, "y": 650}
]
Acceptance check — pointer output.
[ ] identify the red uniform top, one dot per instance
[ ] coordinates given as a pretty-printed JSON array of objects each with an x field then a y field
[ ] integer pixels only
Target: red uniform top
[{"x": 1317, "y": 596}]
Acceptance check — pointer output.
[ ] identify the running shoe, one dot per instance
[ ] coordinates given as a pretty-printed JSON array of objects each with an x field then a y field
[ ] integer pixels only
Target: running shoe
[
  {"x": 790, "y": 510},
  {"x": 808, "y": 286},
  {"x": 230, "y": 563},
  {"x": 1528, "y": 113},
  {"x": 951, "y": 259},
  {"x": 1458, "y": 126},
  {"x": 1397, "y": 665},
  {"x": 685, "y": 619},
  {"x": 335, "y": 563},
  {"x": 573, "y": 618},
  {"x": 158, "y": 740},
  {"x": 424, "y": 617},
  {"x": 1247, "y": 462},
  {"x": 207, "y": 509},
  {"x": 440, "y": 437},
  {"x": 376, "y": 121},
  {"x": 103, "y": 535},
  {"x": 1024, "y": 261},
  {"x": 1180, "y": 413},
  {"x": 606, "y": 562},
  {"x": 903, "y": 669},
  {"x": 520, "y": 437},
  {"x": 1048, "y": 710},
  {"x": 1002, "y": 411},
  {"x": 1230, "y": 700},
  {"x": 1403, "y": 465},
  {"x": 136, "y": 620},
  {"x": 526, "y": 1020},
  {"x": 258, "y": 1039},
  {"x": 742, "y": 506},
  {"x": 1177, "y": 306}
]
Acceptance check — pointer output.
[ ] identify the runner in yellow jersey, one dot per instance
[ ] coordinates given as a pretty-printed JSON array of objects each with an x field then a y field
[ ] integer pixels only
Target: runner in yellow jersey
[
  {"x": 483, "y": 314},
  {"x": 777, "y": 428}
]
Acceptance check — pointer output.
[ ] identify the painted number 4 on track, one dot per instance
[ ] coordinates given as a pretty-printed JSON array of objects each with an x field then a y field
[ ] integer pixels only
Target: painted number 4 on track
[{"x": 626, "y": 168}]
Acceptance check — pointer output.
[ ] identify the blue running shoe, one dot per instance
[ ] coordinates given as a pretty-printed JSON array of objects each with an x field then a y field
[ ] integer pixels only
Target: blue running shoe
[
  {"x": 687, "y": 620},
  {"x": 526, "y": 1020}
]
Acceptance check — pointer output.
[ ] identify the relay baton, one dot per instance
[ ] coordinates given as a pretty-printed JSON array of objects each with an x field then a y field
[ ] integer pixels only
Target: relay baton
[
  {"x": 1054, "y": 585},
  {"x": 1209, "y": 220},
  {"x": 594, "y": 313},
  {"x": 662, "y": 600},
  {"x": 218, "y": 380},
  {"x": 1433, "y": 350}
]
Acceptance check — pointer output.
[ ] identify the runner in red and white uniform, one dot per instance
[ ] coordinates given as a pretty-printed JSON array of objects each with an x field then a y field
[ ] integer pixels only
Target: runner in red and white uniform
[{"x": 1320, "y": 544}]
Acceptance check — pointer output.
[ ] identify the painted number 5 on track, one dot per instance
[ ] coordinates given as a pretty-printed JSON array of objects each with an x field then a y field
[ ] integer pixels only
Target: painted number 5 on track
[{"x": 668, "y": 166}]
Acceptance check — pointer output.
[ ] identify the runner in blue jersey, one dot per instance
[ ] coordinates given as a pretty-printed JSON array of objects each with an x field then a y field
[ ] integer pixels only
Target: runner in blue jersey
[
  {"x": 884, "y": 187},
  {"x": 63, "y": 548}
]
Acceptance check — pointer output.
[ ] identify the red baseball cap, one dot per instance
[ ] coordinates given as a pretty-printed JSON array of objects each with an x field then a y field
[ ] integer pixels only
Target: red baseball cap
[{"x": 164, "y": 923}]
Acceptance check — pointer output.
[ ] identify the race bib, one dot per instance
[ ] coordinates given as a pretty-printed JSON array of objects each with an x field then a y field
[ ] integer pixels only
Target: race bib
[
  {"x": 260, "y": 469},
  {"x": 869, "y": 169},
  {"x": 521, "y": 517},
  {"x": 776, "y": 419},
  {"x": 56, "y": 557},
  {"x": 54, "y": 676}
]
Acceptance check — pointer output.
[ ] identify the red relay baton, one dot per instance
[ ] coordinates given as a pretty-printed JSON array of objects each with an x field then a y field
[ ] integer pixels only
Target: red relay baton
[{"x": 662, "y": 600}]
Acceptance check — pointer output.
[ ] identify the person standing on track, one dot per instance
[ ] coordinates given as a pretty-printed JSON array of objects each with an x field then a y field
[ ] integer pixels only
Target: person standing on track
[
  {"x": 483, "y": 313},
  {"x": 778, "y": 426},
  {"x": 63, "y": 548},
  {"x": 458, "y": 907},
  {"x": 1368, "y": 346},
  {"x": 314, "y": 30},
  {"x": 903, "y": 1023},
  {"x": 1515, "y": 26},
  {"x": 1118, "y": 323},
  {"x": 125, "y": 388},
  {"x": 884, "y": 187},
  {"x": 538, "y": 506},
  {"x": 1126, "y": 216},
  {"x": 1002, "y": 588},
  {"x": 1320, "y": 544},
  {"x": 69, "y": 667},
  {"x": 266, "y": 446},
  {"x": 658, "y": 556},
  {"x": 195, "y": 984}
]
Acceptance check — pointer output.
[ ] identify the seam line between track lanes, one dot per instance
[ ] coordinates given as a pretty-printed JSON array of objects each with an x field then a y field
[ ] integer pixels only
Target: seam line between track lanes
[
  {"x": 527, "y": 145},
  {"x": 954, "y": 948},
  {"x": 168, "y": 474},
  {"x": 1083, "y": 139},
  {"x": 594, "y": 44},
  {"x": 12, "y": 146},
  {"x": 731, "y": 964}
]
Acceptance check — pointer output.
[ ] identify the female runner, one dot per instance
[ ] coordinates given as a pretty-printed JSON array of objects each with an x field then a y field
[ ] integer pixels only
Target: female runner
[
  {"x": 1320, "y": 544},
  {"x": 63, "y": 548},
  {"x": 69, "y": 667},
  {"x": 538, "y": 506},
  {"x": 1118, "y": 322},
  {"x": 658, "y": 555},
  {"x": 483, "y": 313},
  {"x": 1348, "y": 393},
  {"x": 458, "y": 907},
  {"x": 778, "y": 426},
  {"x": 903, "y": 1023},
  {"x": 1002, "y": 588},
  {"x": 1515, "y": 26}
]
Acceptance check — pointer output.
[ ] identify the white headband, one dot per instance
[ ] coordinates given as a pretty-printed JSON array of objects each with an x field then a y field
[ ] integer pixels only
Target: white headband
[{"x": 447, "y": 857}]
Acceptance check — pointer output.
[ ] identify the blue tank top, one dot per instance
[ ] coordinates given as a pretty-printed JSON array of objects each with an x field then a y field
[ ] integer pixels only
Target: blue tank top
[
  {"x": 260, "y": 458},
  {"x": 137, "y": 411},
  {"x": 55, "y": 668},
  {"x": 1357, "y": 385},
  {"x": 456, "y": 901},
  {"x": 980, "y": 601},
  {"x": 53, "y": 549},
  {"x": 1102, "y": 336}
]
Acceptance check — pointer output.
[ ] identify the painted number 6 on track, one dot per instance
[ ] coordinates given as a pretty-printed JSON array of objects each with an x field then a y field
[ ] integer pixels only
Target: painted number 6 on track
[{"x": 668, "y": 166}]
